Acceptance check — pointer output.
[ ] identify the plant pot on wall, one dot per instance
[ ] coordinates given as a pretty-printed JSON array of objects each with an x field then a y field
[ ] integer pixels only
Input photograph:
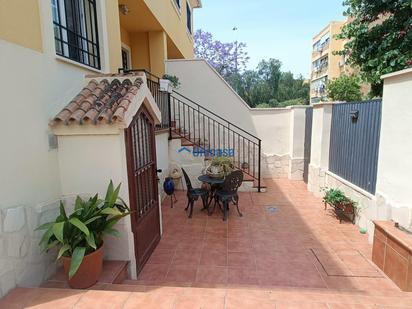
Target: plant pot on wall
[{"x": 89, "y": 271}]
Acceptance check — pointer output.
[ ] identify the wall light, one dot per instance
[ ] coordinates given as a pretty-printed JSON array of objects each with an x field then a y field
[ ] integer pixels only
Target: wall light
[{"x": 124, "y": 9}]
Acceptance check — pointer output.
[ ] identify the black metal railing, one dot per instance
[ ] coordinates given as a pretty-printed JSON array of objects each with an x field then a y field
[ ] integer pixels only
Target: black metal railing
[
  {"x": 161, "y": 97},
  {"x": 209, "y": 133}
]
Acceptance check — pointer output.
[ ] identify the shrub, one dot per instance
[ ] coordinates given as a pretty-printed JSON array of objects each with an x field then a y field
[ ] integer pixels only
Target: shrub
[{"x": 345, "y": 88}]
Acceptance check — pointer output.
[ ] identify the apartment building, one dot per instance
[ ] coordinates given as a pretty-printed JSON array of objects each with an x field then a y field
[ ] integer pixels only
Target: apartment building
[{"x": 325, "y": 65}]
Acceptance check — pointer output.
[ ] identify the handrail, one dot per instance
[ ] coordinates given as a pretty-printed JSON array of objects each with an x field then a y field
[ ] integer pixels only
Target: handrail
[
  {"x": 248, "y": 146},
  {"x": 214, "y": 114}
]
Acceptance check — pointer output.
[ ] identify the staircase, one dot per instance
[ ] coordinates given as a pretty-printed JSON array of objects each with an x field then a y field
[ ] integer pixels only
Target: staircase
[{"x": 208, "y": 133}]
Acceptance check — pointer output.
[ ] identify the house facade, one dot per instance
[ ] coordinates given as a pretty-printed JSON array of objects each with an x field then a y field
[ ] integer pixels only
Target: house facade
[{"x": 47, "y": 48}]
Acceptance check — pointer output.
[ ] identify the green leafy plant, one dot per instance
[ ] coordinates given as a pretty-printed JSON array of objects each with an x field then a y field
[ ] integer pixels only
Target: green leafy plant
[
  {"x": 173, "y": 79},
  {"x": 224, "y": 163},
  {"x": 336, "y": 197},
  {"x": 378, "y": 38},
  {"x": 345, "y": 88},
  {"x": 81, "y": 232}
]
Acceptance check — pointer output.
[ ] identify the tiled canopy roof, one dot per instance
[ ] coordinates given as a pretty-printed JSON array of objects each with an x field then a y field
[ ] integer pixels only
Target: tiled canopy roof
[{"x": 100, "y": 101}]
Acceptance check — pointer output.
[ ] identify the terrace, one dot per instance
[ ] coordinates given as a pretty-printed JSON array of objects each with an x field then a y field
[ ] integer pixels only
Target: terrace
[{"x": 285, "y": 252}]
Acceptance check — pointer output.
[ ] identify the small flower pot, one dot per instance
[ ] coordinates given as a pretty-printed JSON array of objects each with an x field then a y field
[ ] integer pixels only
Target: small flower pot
[{"x": 89, "y": 271}]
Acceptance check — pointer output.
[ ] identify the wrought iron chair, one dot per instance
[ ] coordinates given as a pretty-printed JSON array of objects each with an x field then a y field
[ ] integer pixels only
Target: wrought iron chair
[
  {"x": 228, "y": 192},
  {"x": 193, "y": 194}
]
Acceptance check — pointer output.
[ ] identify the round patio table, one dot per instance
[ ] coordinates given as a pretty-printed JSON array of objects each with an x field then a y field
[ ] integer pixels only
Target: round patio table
[{"x": 215, "y": 184}]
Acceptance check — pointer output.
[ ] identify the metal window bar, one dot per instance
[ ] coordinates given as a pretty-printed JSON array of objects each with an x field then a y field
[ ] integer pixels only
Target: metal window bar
[{"x": 76, "y": 33}]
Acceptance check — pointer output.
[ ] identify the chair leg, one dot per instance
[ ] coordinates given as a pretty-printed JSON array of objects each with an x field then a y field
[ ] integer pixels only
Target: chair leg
[
  {"x": 191, "y": 208},
  {"x": 188, "y": 203},
  {"x": 213, "y": 209},
  {"x": 204, "y": 202},
  {"x": 225, "y": 210},
  {"x": 237, "y": 206}
]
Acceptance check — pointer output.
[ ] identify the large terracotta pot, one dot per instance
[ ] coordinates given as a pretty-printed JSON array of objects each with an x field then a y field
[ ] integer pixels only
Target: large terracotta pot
[{"x": 89, "y": 271}]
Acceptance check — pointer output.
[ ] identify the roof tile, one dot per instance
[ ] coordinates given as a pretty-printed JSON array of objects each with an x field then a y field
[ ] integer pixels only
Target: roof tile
[{"x": 100, "y": 101}]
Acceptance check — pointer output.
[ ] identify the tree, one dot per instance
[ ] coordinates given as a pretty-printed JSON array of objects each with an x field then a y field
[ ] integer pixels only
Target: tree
[
  {"x": 379, "y": 38},
  {"x": 226, "y": 58},
  {"x": 345, "y": 88}
]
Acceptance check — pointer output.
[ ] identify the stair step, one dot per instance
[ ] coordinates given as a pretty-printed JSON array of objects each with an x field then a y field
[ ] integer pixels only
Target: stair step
[{"x": 113, "y": 272}]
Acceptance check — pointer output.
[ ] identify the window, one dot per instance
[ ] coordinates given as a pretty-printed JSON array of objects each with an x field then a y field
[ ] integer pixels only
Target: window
[
  {"x": 126, "y": 58},
  {"x": 75, "y": 31},
  {"x": 177, "y": 3},
  {"x": 189, "y": 17}
]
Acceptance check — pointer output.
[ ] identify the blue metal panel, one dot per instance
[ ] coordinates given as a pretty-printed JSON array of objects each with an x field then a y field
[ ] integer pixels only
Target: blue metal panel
[{"x": 354, "y": 142}]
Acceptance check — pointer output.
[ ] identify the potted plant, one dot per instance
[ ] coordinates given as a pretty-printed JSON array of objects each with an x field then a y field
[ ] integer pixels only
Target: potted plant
[
  {"x": 220, "y": 167},
  {"x": 337, "y": 199},
  {"x": 168, "y": 82},
  {"x": 79, "y": 236}
]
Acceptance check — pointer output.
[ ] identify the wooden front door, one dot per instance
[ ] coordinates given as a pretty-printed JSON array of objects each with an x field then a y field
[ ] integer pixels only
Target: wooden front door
[{"x": 141, "y": 168}]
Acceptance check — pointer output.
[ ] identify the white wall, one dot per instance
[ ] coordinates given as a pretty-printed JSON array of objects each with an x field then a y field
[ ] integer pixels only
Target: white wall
[
  {"x": 395, "y": 150},
  {"x": 162, "y": 154},
  {"x": 201, "y": 83},
  {"x": 34, "y": 87},
  {"x": 272, "y": 126},
  {"x": 87, "y": 163}
]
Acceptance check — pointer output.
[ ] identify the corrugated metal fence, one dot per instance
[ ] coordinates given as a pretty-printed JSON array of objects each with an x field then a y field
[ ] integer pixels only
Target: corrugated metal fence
[{"x": 354, "y": 142}]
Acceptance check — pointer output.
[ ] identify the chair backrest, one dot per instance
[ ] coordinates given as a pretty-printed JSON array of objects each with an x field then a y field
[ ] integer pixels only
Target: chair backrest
[
  {"x": 187, "y": 180},
  {"x": 233, "y": 181}
]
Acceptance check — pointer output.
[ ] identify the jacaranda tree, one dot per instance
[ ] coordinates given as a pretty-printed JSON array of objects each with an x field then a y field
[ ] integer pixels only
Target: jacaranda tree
[
  {"x": 379, "y": 38},
  {"x": 227, "y": 58}
]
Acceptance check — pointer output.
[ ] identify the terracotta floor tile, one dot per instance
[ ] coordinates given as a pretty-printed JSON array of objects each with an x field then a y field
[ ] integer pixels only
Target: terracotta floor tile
[
  {"x": 300, "y": 305},
  {"x": 153, "y": 272},
  {"x": 242, "y": 276},
  {"x": 102, "y": 299},
  {"x": 140, "y": 300},
  {"x": 161, "y": 256},
  {"x": 181, "y": 273},
  {"x": 203, "y": 302},
  {"x": 213, "y": 258},
  {"x": 187, "y": 257},
  {"x": 241, "y": 259},
  {"x": 211, "y": 274}
]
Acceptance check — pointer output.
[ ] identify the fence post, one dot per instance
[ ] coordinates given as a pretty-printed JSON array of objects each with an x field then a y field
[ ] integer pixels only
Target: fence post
[
  {"x": 169, "y": 112},
  {"x": 259, "y": 158}
]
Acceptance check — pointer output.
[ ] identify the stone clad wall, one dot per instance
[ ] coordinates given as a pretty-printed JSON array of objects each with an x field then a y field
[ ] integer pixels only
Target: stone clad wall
[{"x": 21, "y": 261}]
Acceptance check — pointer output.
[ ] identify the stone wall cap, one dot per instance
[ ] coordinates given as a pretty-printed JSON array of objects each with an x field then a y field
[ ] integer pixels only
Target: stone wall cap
[
  {"x": 397, "y": 73},
  {"x": 395, "y": 234}
]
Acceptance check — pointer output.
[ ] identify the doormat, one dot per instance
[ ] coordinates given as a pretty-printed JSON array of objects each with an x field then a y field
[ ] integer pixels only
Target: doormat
[{"x": 345, "y": 263}]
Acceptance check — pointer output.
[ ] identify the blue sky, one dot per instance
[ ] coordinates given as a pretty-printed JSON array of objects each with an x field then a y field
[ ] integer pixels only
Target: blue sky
[{"x": 270, "y": 28}]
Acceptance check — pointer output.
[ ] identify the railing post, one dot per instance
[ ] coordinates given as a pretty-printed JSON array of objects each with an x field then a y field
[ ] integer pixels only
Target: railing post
[
  {"x": 169, "y": 112},
  {"x": 260, "y": 155}
]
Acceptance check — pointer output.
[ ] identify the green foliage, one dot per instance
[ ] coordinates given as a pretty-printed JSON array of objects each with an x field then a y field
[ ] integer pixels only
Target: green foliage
[
  {"x": 336, "y": 197},
  {"x": 269, "y": 85},
  {"x": 173, "y": 79},
  {"x": 345, "y": 88},
  {"x": 263, "y": 105},
  {"x": 379, "y": 37},
  {"x": 81, "y": 232},
  {"x": 225, "y": 163}
]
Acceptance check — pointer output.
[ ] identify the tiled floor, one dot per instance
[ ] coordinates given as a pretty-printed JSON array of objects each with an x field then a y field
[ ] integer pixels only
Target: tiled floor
[
  {"x": 295, "y": 255},
  {"x": 285, "y": 238}
]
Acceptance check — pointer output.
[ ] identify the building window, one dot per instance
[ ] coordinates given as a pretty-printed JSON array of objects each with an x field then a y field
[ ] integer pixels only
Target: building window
[
  {"x": 75, "y": 31},
  {"x": 177, "y": 3},
  {"x": 189, "y": 17}
]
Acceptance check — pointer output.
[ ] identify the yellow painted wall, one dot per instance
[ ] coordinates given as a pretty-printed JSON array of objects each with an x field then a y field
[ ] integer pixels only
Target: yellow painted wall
[
  {"x": 173, "y": 24},
  {"x": 125, "y": 36},
  {"x": 20, "y": 23},
  {"x": 140, "y": 50},
  {"x": 158, "y": 52},
  {"x": 113, "y": 35}
]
